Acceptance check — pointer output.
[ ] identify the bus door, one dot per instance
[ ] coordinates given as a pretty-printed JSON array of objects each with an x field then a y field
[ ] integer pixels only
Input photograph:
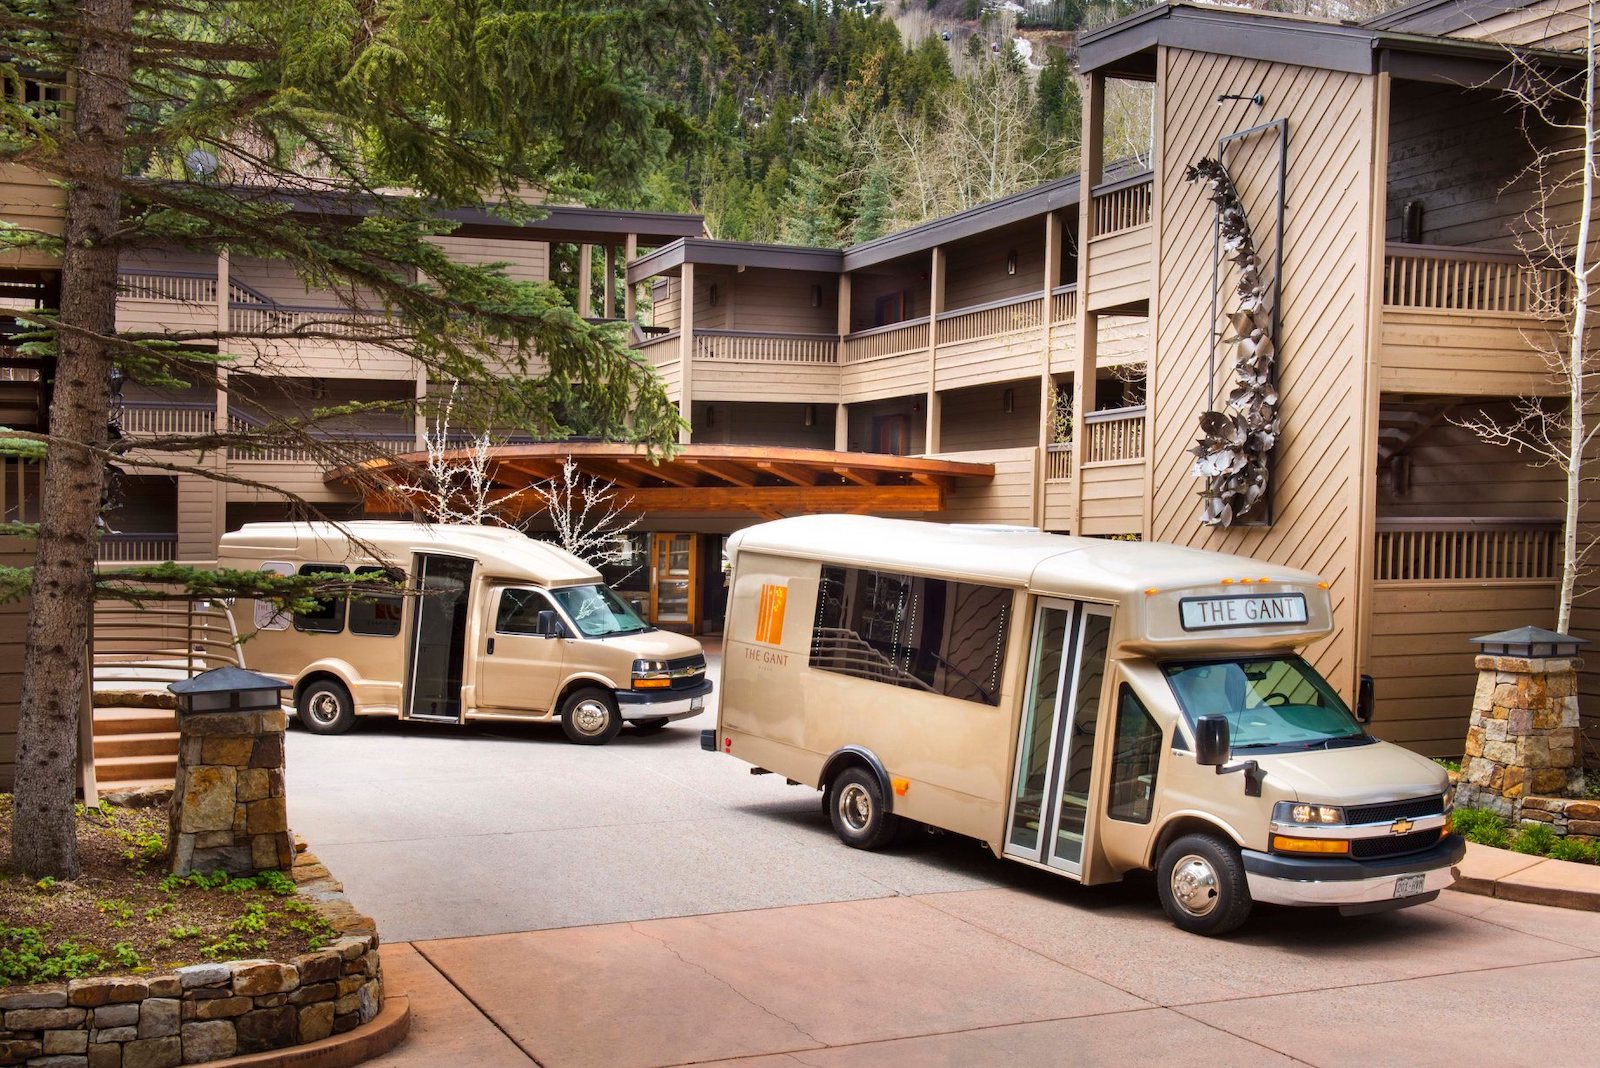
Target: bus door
[
  {"x": 1049, "y": 810},
  {"x": 438, "y": 637},
  {"x": 519, "y": 669}
]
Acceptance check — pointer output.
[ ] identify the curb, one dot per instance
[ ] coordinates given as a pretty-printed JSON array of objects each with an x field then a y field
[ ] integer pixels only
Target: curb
[
  {"x": 379, "y": 1035},
  {"x": 1508, "y": 876}
]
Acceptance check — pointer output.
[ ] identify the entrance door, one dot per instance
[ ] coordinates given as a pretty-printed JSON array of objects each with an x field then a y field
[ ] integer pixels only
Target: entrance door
[
  {"x": 891, "y": 435},
  {"x": 439, "y": 637},
  {"x": 1055, "y": 753},
  {"x": 519, "y": 670},
  {"x": 673, "y": 573}
]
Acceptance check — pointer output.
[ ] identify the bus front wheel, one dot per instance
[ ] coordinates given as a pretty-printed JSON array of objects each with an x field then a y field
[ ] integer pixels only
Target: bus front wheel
[
  {"x": 1202, "y": 884},
  {"x": 856, "y": 806},
  {"x": 589, "y": 716},
  {"x": 325, "y": 707}
]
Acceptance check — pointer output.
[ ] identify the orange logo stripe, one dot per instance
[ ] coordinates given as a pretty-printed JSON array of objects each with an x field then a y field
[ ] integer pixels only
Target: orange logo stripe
[{"x": 769, "y": 614}]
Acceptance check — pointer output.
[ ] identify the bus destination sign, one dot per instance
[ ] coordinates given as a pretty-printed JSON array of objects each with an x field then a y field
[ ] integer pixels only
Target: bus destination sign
[{"x": 1244, "y": 610}]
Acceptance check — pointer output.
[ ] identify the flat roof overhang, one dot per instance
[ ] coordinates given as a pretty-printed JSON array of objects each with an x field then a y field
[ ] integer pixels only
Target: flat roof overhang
[
  {"x": 669, "y": 260},
  {"x": 1126, "y": 48},
  {"x": 766, "y": 482}
]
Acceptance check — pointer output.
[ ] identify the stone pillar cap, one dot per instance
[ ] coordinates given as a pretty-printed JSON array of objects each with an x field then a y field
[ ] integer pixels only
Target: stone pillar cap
[
  {"x": 202, "y": 693},
  {"x": 1529, "y": 642}
]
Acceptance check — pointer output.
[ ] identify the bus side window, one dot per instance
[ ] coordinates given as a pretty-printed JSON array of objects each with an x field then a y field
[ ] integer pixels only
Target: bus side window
[
  {"x": 328, "y": 616},
  {"x": 519, "y": 611},
  {"x": 1135, "y": 759},
  {"x": 377, "y": 615}
]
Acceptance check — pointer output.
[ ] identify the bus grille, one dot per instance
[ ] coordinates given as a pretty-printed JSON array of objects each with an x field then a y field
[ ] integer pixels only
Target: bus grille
[
  {"x": 1389, "y": 811},
  {"x": 1397, "y": 845},
  {"x": 688, "y": 682}
]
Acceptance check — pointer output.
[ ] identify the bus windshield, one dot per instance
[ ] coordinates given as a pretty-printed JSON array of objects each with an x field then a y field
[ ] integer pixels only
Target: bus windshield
[
  {"x": 1277, "y": 702},
  {"x": 598, "y": 612}
]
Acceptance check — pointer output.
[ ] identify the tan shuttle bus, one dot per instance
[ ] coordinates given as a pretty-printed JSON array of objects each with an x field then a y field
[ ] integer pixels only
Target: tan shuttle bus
[
  {"x": 1083, "y": 706},
  {"x": 504, "y": 627}
]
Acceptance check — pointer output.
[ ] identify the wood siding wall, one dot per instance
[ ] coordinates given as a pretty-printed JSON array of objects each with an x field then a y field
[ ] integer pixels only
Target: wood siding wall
[
  {"x": 1007, "y": 498},
  {"x": 1326, "y": 295},
  {"x": 780, "y": 302},
  {"x": 976, "y": 271},
  {"x": 1113, "y": 498},
  {"x": 31, "y": 201},
  {"x": 763, "y": 424},
  {"x": 1119, "y": 268},
  {"x": 1489, "y": 354},
  {"x": 1453, "y": 473},
  {"x": 526, "y": 261},
  {"x": 14, "y": 552},
  {"x": 974, "y": 419}
]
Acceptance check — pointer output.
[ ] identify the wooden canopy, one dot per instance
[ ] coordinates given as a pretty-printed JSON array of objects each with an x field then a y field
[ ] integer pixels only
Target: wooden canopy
[{"x": 768, "y": 482}]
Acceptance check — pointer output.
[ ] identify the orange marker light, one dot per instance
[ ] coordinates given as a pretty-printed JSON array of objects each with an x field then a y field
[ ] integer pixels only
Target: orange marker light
[
  {"x": 900, "y": 786},
  {"x": 1227, "y": 582},
  {"x": 1246, "y": 582},
  {"x": 1264, "y": 580},
  {"x": 1324, "y": 585},
  {"x": 1151, "y": 592}
]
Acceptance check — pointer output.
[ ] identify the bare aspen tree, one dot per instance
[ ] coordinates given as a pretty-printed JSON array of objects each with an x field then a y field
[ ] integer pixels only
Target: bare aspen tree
[{"x": 587, "y": 515}]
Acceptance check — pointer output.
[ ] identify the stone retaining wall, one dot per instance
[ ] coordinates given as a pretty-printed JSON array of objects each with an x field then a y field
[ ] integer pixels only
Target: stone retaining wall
[
  {"x": 1568, "y": 817},
  {"x": 203, "y": 1012}
]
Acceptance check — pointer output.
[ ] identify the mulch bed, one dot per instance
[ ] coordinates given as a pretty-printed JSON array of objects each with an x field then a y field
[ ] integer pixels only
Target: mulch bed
[{"x": 118, "y": 917}]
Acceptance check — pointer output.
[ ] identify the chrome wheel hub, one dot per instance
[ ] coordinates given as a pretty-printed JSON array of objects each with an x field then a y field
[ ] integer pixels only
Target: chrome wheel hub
[
  {"x": 855, "y": 807},
  {"x": 1194, "y": 885},
  {"x": 324, "y": 707},
  {"x": 590, "y": 717}
]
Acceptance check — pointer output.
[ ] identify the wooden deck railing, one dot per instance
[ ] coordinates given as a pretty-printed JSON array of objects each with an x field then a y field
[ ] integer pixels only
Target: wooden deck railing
[
  {"x": 136, "y": 548},
  {"x": 1116, "y": 434},
  {"x": 168, "y": 417},
  {"x": 1122, "y": 205},
  {"x": 763, "y": 347},
  {"x": 190, "y": 287},
  {"x": 1467, "y": 550},
  {"x": 896, "y": 339},
  {"x": 1471, "y": 280},
  {"x": 1058, "y": 462},
  {"x": 989, "y": 320},
  {"x": 393, "y": 444},
  {"x": 283, "y": 319},
  {"x": 658, "y": 349},
  {"x": 1064, "y": 304}
]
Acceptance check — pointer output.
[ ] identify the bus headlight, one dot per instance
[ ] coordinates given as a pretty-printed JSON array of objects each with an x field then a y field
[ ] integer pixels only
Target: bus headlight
[
  {"x": 1310, "y": 815},
  {"x": 651, "y": 675}
]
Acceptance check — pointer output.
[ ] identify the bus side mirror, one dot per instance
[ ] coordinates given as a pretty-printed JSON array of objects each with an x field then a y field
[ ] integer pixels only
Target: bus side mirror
[
  {"x": 549, "y": 625},
  {"x": 1366, "y": 699},
  {"x": 1211, "y": 744}
]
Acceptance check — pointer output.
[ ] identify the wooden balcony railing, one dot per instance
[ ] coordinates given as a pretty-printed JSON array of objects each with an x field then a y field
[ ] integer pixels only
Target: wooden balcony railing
[
  {"x": 190, "y": 287},
  {"x": 137, "y": 548},
  {"x": 764, "y": 347},
  {"x": 1122, "y": 205},
  {"x": 658, "y": 348},
  {"x": 1116, "y": 434},
  {"x": 896, "y": 339},
  {"x": 393, "y": 444},
  {"x": 992, "y": 319},
  {"x": 1441, "y": 278},
  {"x": 1064, "y": 304},
  {"x": 1467, "y": 550},
  {"x": 318, "y": 321},
  {"x": 168, "y": 417},
  {"x": 1058, "y": 462}
]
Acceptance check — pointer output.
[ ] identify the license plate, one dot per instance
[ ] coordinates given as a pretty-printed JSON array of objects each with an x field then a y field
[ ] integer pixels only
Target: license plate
[
  {"x": 697, "y": 704},
  {"x": 1408, "y": 885}
]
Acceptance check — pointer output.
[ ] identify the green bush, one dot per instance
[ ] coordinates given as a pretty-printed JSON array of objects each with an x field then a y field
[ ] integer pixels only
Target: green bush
[
  {"x": 1482, "y": 825},
  {"x": 1570, "y": 849},
  {"x": 1535, "y": 839}
]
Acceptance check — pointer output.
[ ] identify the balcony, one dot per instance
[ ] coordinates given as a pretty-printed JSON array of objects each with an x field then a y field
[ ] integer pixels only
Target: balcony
[
  {"x": 168, "y": 418},
  {"x": 1113, "y": 472},
  {"x": 136, "y": 548},
  {"x": 886, "y": 361},
  {"x": 1063, "y": 339},
  {"x": 1058, "y": 496},
  {"x": 1468, "y": 322},
  {"x": 802, "y": 368},
  {"x": 337, "y": 342},
  {"x": 1119, "y": 244},
  {"x": 1437, "y": 582},
  {"x": 991, "y": 342},
  {"x": 166, "y": 300}
]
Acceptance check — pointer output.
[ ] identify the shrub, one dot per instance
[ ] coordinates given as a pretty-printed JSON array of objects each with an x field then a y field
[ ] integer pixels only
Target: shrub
[
  {"x": 1571, "y": 849},
  {"x": 1482, "y": 825},
  {"x": 1535, "y": 839}
]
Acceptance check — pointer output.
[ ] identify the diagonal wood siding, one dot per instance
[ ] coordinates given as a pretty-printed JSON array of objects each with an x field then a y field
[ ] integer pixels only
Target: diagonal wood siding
[{"x": 1326, "y": 292}]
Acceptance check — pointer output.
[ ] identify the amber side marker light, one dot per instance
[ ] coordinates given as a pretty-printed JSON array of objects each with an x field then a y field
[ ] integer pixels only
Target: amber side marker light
[
  {"x": 1324, "y": 586},
  {"x": 900, "y": 786},
  {"x": 651, "y": 684},
  {"x": 1151, "y": 592},
  {"x": 1284, "y": 844}
]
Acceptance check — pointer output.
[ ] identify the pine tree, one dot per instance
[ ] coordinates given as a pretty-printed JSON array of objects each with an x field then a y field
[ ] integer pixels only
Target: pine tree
[{"x": 343, "y": 130}]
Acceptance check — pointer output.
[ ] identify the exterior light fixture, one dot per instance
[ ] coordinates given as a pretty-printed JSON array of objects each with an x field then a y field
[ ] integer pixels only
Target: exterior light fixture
[
  {"x": 228, "y": 689},
  {"x": 1011, "y": 262},
  {"x": 712, "y": 296},
  {"x": 816, "y": 296},
  {"x": 811, "y": 415},
  {"x": 1008, "y": 401},
  {"x": 1529, "y": 643}
]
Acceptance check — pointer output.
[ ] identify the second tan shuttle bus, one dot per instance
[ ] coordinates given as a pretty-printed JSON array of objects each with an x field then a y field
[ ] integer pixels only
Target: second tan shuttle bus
[
  {"x": 1086, "y": 707},
  {"x": 502, "y": 627}
]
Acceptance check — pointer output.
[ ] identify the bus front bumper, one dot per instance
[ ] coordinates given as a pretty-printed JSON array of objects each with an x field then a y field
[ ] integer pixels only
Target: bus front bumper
[
  {"x": 1355, "y": 885},
  {"x": 663, "y": 704}
]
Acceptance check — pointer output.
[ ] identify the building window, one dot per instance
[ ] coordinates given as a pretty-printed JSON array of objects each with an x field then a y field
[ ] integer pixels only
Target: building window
[
  {"x": 377, "y": 615},
  {"x": 328, "y": 615},
  {"x": 926, "y": 634},
  {"x": 1135, "y": 759}
]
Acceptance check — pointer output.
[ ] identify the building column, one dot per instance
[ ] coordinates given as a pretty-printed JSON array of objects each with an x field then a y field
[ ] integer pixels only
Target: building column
[
  {"x": 841, "y": 417},
  {"x": 630, "y": 294},
  {"x": 219, "y": 457},
  {"x": 686, "y": 353},
  {"x": 1094, "y": 103},
  {"x": 585, "y": 280},
  {"x": 1053, "y": 231},
  {"x": 935, "y": 306},
  {"x": 419, "y": 425},
  {"x": 609, "y": 301}
]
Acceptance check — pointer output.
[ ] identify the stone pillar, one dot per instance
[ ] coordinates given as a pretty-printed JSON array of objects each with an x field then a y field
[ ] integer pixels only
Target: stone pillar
[
  {"x": 228, "y": 806},
  {"x": 1523, "y": 737}
]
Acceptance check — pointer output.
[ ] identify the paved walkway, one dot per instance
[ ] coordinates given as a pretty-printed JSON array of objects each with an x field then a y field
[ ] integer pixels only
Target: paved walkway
[{"x": 1037, "y": 974}]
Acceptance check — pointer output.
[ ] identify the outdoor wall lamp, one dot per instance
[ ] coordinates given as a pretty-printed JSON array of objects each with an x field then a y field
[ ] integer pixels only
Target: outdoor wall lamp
[
  {"x": 1255, "y": 98},
  {"x": 816, "y": 296},
  {"x": 1008, "y": 401},
  {"x": 712, "y": 295},
  {"x": 1011, "y": 262}
]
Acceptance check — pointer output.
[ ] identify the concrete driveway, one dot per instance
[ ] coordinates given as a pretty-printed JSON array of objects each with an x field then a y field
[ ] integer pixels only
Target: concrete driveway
[{"x": 645, "y": 903}]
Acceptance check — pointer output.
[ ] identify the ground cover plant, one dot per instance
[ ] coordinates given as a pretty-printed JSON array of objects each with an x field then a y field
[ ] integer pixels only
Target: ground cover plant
[
  {"x": 125, "y": 913},
  {"x": 1487, "y": 827}
]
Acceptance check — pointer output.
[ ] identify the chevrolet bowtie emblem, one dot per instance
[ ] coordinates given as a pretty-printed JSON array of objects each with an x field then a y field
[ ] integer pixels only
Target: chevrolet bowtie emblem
[{"x": 1401, "y": 826}]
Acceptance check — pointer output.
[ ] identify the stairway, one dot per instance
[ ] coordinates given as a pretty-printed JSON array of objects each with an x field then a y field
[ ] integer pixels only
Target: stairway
[{"x": 134, "y": 747}]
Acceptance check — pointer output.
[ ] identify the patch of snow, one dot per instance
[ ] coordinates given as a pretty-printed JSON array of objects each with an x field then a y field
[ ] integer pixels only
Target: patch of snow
[{"x": 1024, "y": 49}]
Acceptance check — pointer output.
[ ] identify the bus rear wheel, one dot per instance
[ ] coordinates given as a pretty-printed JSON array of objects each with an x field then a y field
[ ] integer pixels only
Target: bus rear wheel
[
  {"x": 856, "y": 806},
  {"x": 325, "y": 707},
  {"x": 589, "y": 716},
  {"x": 1202, "y": 885}
]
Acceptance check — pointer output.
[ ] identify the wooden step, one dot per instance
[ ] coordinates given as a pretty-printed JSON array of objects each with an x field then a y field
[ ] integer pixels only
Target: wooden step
[
  {"x": 113, "y": 721},
  {"x": 121, "y": 769},
  {"x": 131, "y": 784},
  {"x": 155, "y": 743}
]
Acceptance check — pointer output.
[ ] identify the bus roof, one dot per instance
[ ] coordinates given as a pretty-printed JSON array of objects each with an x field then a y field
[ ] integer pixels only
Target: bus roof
[
  {"x": 1050, "y": 564},
  {"x": 501, "y": 551}
]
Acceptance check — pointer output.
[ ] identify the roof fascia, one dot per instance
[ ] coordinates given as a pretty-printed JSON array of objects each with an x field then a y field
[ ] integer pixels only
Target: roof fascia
[
  {"x": 1442, "y": 16},
  {"x": 1019, "y": 207},
  {"x": 1230, "y": 33},
  {"x": 704, "y": 250},
  {"x": 661, "y": 261}
]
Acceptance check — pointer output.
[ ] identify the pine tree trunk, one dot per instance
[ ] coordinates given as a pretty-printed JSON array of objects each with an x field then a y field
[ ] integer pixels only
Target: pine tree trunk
[{"x": 43, "y": 838}]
